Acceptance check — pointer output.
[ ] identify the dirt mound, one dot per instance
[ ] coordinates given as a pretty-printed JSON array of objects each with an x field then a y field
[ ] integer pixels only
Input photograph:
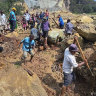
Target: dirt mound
[{"x": 9, "y": 45}]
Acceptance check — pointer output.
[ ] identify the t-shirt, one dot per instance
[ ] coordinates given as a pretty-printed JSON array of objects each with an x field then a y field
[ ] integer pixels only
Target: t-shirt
[
  {"x": 69, "y": 62},
  {"x": 4, "y": 20},
  {"x": 27, "y": 44},
  {"x": 34, "y": 31},
  {"x": 69, "y": 27},
  {"x": 45, "y": 26},
  {"x": 61, "y": 22},
  {"x": 12, "y": 16},
  {"x": 27, "y": 16}
]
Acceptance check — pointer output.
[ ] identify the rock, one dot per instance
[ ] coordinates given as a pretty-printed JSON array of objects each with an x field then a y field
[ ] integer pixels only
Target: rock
[
  {"x": 89, "y": 54},
  {"x": 49, "y": 4},
  {"x": 12, "y": 34},
  {"x": 84, "y": 19},
  {"x": 16, "y": 82},
  {"x": 87, "y": 31},
  {"x": 55, "y": 35},
  {"x": 68, "y": 41}
]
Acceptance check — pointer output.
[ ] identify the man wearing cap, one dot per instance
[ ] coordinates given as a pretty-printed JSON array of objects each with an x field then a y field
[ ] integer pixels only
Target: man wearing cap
[
  {"x": 68, "y": 64},
  {"x": 12, "y": 19},
  {"x": 28, "y": 45}
]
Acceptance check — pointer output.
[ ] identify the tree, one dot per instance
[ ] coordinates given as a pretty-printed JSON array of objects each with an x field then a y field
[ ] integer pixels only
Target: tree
[{"x": 83, "y": 6}]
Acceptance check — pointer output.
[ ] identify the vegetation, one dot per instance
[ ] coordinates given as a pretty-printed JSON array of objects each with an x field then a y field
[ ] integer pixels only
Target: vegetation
[
  {"x": 83, "y": 6},
  {"x": 6, "y": 5}
]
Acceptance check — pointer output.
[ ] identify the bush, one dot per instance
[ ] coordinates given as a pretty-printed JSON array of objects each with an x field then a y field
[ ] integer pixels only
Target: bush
[
  {"x": 83, "y": 6},
  {"x": 6, "y": 6}
]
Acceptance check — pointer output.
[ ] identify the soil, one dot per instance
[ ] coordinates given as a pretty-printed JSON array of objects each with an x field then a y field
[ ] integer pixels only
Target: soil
[{"x": 46, "y": 64}]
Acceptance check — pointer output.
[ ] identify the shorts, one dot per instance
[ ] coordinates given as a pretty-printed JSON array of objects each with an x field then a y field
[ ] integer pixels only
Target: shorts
[
  {"x": 69, "y": 78},
  {"x": 45, "y": 34},
  {"x": 25, "y": 53}
]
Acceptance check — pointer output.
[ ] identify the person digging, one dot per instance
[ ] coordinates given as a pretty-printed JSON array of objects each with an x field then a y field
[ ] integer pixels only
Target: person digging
[
  {"x": 68, "y": 64},
  {"x": 28, "y": 46}
]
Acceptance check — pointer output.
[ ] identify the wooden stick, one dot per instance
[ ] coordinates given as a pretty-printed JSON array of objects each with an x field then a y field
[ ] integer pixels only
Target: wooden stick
[
  {"x": 55, "y": 22},
  {"x": 83, "y": 57}
]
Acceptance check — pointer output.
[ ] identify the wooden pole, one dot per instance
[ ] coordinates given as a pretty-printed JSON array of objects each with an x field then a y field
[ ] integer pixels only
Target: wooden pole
[
  {"x": 55, "y": 22},
  {"x": 83, "y": 56}
]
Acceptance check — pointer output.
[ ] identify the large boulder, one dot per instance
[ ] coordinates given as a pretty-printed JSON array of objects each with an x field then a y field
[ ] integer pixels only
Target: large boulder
[
  {"x": 84, "y": 19},
  {"x": 87, "y": 31},
  {"x": 16, "y": 82},
  {"x": 68, "y": 41},
  {"x": 55, "y": 35}
]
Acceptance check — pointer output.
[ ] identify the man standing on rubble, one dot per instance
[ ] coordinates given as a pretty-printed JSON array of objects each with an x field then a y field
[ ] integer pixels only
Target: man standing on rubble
[
  {"x": 27, "y": 17},
  {"x": 28, "y": 45},
  {"x": 69, "y": 27},
  {"x": 12, "y": 19},
  {"x": 61, "y": 22},
  {"x": 68, "y": 64},
  {"x": 45, "y": 29}
]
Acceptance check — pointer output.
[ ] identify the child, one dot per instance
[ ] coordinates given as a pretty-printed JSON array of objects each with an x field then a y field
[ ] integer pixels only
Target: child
[{"x": 24, "y": 23}]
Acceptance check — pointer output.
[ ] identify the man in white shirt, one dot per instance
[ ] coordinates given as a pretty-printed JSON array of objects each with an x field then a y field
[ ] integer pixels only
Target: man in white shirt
[
  {"x": 68, "y": 64},
  {"x": 27, "y": 17},
  {"x": 4, "y": 20}
]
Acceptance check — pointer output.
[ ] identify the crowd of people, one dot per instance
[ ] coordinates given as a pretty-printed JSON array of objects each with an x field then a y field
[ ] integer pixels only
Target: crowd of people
[{"x": 41, "y": 30}]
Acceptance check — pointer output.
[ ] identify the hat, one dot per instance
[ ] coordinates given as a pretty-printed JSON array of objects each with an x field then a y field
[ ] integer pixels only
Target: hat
[
  {"x": 73, "y": 48},
  {"x": 14, "y": 9}
]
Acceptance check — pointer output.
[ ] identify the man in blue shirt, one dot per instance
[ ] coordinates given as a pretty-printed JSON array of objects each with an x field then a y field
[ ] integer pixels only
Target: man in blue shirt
[
  {"x": 12, "y": 19},
  {"x": 61, "y": 22},
  {"x": 28, "y": 45}
]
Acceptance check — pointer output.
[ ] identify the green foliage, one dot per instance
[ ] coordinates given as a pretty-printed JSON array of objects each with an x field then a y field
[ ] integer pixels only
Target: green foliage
[
  {"x": 83, "y": 6},
  {"x": 6, "y": 5}
]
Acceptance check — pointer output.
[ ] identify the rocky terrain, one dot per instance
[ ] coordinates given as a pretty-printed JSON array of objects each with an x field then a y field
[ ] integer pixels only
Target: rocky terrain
[
  {"x": 53, "y": 5},
  {"x": 43, "y": 77}
]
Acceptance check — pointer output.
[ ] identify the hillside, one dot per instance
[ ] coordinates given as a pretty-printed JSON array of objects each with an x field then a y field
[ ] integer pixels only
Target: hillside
[{"x": 49, "y": 4}]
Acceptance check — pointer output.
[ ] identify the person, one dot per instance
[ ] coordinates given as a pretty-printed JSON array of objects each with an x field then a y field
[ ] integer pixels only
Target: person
[
  {"x": 27, "y": 16},
  {"x": 3, "y": 18},
  {"x": 28, "y": 45},
  {"x": 68, "y": 64},
  {"x": 1, "y": 49},
  {"x": 32, "y": 21},
  {"x": 61, "y": 22},
  {"x": 34, "y": 32},
  {"x": 24, "y": 23},
  {"x": 41, "y": 15},
  {"x": 47, "y": 14},
  {"x": 12, "y": 19},
  {"x": 3, "y": 22},
  {"x": 45, "y": 28},
  {"x": 69, "y": 28}
]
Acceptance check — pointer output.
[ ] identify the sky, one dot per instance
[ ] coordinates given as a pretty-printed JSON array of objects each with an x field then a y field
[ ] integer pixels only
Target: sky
[{"x": 94, "y": 0}]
